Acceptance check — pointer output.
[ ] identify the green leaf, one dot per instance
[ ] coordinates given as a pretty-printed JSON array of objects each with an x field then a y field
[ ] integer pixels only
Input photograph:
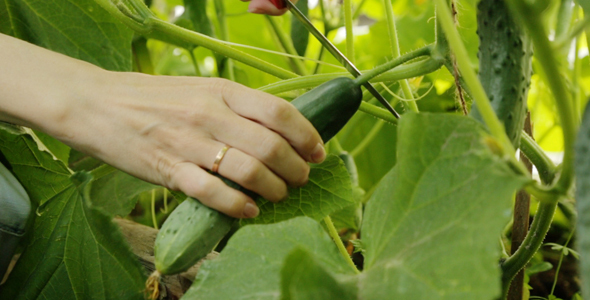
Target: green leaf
[
  {"x": 250, "y": 265},
  {"x": 40, "y": 172},
  {"x": 327, "y": 191},
  {"x": 116, "y": 193},
  {"x": 583, "y": 199},
  {"x": 431, "y": 227},
  {"x": 75, "y": 251},
  {"x": 59, "y": 149},
  {"x": 302, "y": 277},
  {"x": 77, "y": 28},
  {"x": 196, "y": 12},
  {"x": 299, "y": 34}
]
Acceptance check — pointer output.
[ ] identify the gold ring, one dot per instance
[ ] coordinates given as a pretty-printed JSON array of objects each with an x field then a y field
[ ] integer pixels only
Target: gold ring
[{"x": 218, "y": 158}]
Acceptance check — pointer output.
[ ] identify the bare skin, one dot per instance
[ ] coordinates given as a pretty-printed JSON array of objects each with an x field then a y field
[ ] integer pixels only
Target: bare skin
[{"x": 165, "y": 130}]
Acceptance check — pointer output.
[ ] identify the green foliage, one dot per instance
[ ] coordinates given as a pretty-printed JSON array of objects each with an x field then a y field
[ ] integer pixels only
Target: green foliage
[
  {"x": 583, "y": 198},
  {"x": 74, "y": 249},
  {"x": 327, "y": 191},
  {"x": 458, "y": 191},
  {"x": 251, "y": 263}
]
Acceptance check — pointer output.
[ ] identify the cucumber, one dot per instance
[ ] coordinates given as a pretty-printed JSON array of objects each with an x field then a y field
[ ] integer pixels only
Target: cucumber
[
  {"x": 193, "y": 229},
  {"x": 16, "y": 208},
  {"x": 505, "y": 56}
]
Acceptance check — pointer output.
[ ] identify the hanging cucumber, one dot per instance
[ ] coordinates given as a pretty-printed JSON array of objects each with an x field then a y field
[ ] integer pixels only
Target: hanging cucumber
[
  {"x": 16, "y": 208},
  {"x": 505, "y": 55},
  {"x": 193, "y": 229}
]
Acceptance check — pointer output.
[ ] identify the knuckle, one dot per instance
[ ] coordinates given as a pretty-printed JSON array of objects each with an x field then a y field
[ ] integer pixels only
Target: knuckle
[
  {"x": 223, "y": 87},
  {"x": 280, "y": 111},
  {"x": 271, "y": 148},
  {"x": 250, "y": 171},
  {"x": 203, "y": 189}
]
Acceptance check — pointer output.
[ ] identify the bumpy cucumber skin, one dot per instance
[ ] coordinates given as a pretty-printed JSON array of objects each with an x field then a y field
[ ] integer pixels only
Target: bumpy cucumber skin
[
  {"x": 329, "y": 106},
  {"x": 193, "y": 229},
  {"x": 189, "y": 234},
  {"x": 505, "y": 56}
]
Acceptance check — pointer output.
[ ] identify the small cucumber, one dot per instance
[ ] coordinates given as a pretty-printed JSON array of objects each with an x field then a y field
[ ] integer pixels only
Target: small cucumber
[
  {"x": 505, "y": 56},
  {"x": 193, "y": 230},
  {"x": 16, "y": 208}
]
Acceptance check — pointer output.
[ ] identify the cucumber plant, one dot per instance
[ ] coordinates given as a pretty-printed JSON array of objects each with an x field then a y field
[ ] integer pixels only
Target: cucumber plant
[{"x": 428, "y": 194}]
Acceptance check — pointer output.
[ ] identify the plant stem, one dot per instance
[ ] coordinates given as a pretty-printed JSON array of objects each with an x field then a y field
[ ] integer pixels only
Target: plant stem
[
  {"x": 102, "y": 171},
  {"x": 537, "y": 156},
  {"x": 378, "y": 112},
  {"x": 520, "y": 223},
  {"x": 224, "y": 35},
  {"x": 349, "y": 34},
  {"x": 287, "y": 45},
  {"x": 153, "y": 27},
  {"x": 395, "y": 50},
  {"x": 400, "y": 72},
  {"x": 195, "y": 63},
  {"x": 544, "y": 54},
  {"x": 561, "y": 260},
  {"x": 479, "y": 95},
  {"x": 334, "y": 234},
  {"x": 424, "y": 51},
  {"x": 176, "y": 32},
  {"x": 154, "y": 221},
  {"x": 531, "y": 243}
]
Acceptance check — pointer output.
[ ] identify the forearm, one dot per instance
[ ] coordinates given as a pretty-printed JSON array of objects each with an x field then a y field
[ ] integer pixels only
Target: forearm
[{"x": 37, "y": 86}]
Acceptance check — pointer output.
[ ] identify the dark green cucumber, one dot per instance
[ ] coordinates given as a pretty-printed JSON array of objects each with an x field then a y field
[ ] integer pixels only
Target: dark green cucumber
[
  {"x": 193, "y": 229},
  {"x": 329, "y": 106},
  {"x": 505, "y": 55},
  {"x": 15, "y": 208}
]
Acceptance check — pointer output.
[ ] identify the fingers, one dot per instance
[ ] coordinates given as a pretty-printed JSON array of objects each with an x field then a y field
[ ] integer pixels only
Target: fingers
[
  {"x": 266, "y": 146},
  {"x": 239, "y": 167},
  {"x": 277, "y": 115},
  {"x": 212, "y": 191}
]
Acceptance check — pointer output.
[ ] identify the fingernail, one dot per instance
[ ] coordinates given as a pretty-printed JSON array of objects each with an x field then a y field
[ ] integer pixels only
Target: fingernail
[
  {"x": 319, "y": 154},
  {"x": 251, "y": 210}
]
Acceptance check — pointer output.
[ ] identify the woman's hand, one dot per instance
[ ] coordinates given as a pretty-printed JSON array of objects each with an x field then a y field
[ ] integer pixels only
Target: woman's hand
[
  {"x": 169, "y": 130},
  {"x": 165, "y": 130},
  {"x": 266, "y": 7}
]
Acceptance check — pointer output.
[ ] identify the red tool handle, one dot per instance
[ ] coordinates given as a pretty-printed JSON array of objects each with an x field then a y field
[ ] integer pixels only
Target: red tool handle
[{"x": 280, "y": 4}]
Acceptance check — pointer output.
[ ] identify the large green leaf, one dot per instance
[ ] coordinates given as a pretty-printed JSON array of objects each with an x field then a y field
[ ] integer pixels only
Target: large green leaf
[
  {"x": 328, "y": 190},
  {"x": 583, "y": 199},
  {"x": 303, "y": 278},
  {"x": 116, "y": 193},
  {"x": 250, "y": 265},
  {"x": 431, "y": 228},
  {"x": 77, "y": 28},
  {"x": 74, "y": 251}
]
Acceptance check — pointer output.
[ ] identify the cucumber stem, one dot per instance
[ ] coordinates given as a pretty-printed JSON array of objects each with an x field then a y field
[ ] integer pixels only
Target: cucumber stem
[
  {"x": 424, "y": 51},
  {"x": 537, "y": 156},
  {"x": 287, "y": 46},
  {"x": 395, "y": 50},
  {"x": 336, "y": 237},
  {"x": 409, "y": 70},
  {"x": 378, "y": 112},
  {"x": 153, "y": 205},
  {"x": 349, "y": 32},
  {"x": 530, "y": 245}
]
